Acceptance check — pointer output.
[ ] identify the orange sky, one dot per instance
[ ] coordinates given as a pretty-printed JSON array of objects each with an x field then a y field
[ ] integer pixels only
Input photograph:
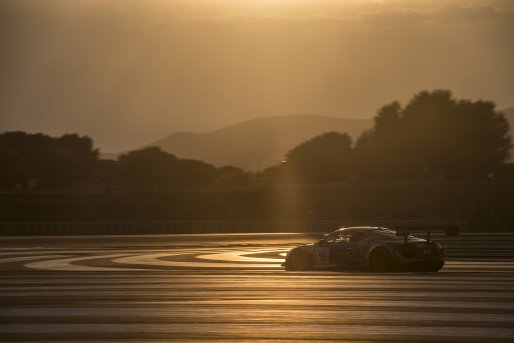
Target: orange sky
[{"x": 129, "y": 72}]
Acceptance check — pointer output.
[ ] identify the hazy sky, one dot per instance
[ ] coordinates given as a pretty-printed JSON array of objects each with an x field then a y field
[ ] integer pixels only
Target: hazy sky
[{"x": 129, "y": 72}]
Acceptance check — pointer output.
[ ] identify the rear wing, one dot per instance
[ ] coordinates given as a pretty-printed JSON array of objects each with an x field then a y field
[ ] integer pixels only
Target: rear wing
[{"x": 405, "y": 231}]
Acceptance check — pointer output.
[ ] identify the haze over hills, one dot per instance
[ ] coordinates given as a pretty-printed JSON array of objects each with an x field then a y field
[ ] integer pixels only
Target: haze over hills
[{"x": 258, "y": 143}]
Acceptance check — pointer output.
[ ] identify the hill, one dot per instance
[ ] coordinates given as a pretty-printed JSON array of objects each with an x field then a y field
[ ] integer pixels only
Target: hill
[{"x": 258, "y": 143}]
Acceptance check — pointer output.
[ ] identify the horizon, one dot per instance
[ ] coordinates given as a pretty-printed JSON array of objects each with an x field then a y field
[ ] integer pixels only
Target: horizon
[{"x": 156, "y": 140}]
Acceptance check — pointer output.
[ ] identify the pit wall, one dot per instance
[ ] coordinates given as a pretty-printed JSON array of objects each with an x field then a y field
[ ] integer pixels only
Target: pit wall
[{"x": 485, "y": 206}]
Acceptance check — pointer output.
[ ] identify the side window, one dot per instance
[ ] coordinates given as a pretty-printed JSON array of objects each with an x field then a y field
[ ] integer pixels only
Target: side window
[
  {"x": 342, "y": 238},
  {"x": 355, "y": 236},
  {"x": 338, "y": 238}
]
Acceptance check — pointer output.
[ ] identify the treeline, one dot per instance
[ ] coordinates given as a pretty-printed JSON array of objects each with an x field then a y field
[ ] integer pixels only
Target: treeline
[
  {"x": 41, "y": 161},
  {"x": 433, "y": 137},
  {"x": 33, "y": 160}
]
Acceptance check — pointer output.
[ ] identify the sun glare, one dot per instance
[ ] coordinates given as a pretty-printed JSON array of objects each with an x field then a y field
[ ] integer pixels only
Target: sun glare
[
  {"x": 310, "y": 6},
  {"x": 273, "y": 3}
]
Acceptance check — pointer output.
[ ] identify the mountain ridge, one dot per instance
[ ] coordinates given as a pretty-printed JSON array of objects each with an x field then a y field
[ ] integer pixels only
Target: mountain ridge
[{"x": 257, "y": 143}]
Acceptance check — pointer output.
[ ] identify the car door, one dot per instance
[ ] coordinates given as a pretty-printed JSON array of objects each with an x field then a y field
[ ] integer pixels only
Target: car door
[
  {"x": 355, "y": 249},
  {"x": 344, "y": 249},
  {"x": 337, "y": 245}
]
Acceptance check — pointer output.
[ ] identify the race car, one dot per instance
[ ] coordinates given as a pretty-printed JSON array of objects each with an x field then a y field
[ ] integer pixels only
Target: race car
[{"x": 373, "y": 248}]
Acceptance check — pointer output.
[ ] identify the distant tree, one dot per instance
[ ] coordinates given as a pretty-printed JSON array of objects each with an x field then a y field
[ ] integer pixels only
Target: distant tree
[
  {"x": 374, "y": 147},
  {"x": 435, "y": 136},
  {"x": 149, "y": 166},
  {"x": 152, "y": 166},
  {"x": 505, "y": 172},
  {"x": 52, "y": 161},
  {"x": 108, "y": 172},
  {"x": 271, "y": 175},
  {"x": 14, "y": 168},
  {"x": 76, "y": 158},
  {"x": 229, "y": 176},
  {"x": 195, "y": 173},
  {"x": 324, "y": 158}
]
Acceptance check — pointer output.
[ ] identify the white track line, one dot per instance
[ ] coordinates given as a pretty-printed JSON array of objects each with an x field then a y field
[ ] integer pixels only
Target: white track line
[{"x": 66, "y": 264}]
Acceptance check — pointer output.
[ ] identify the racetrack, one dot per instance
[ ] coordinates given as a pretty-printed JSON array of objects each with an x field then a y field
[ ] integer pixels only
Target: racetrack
[{"x": 232, "y": 288}]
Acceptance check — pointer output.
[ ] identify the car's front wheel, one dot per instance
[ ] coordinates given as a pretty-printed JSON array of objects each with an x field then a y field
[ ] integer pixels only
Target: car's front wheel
[
  {"x": 298, "y": 261},
  {"x": 381, "y": 260}
]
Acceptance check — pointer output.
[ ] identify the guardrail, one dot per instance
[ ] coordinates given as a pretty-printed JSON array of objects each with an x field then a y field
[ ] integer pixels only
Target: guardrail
[
  {"x": 229, "y": 226},
  {"x": 478, "y": 245}
]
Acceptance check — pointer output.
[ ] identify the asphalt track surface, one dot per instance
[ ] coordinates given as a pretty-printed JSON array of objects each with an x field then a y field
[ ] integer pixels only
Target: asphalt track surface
[{"x": 231, "y": 288}]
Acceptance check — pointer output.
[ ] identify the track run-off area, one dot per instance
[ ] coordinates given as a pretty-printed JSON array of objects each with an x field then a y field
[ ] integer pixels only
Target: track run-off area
[{"x": 231, "y": 288}]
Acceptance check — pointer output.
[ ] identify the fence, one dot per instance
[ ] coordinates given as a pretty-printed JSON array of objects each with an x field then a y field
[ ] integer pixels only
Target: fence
[
  {"x": 229, "y": 226},
  {"x": 479, "y": 245}
]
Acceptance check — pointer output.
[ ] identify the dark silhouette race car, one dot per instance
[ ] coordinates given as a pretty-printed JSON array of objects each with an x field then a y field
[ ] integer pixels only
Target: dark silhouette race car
[{"x": 373, "y": 248}]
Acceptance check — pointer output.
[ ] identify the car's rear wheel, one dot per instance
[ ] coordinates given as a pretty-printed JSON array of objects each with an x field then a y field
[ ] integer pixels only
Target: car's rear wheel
[
  {"x": 299, "y": 261},
  {"x": 381, "y": 260}
]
